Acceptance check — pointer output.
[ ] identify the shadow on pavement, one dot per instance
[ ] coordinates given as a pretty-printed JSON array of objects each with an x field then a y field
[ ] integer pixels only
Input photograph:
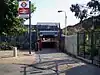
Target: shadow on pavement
[
  {"x": 50, "y": 64},
  {"x": 39, "y": 68},
  {"x": 67, "y": 61},
  {"x": 47, "y": 51},
  {"x": 83, "y": 70}
]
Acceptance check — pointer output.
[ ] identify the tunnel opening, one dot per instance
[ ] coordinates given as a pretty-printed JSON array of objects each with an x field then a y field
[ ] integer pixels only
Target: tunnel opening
[{"x": 49, "y": 41}]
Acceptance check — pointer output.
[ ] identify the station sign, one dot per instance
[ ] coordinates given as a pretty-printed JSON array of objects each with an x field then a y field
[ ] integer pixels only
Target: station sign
[{"x": 23, "y": 9}]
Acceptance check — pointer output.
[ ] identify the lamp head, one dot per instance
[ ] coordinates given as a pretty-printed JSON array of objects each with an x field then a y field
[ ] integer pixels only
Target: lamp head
[{"x": 60, "y": 11}]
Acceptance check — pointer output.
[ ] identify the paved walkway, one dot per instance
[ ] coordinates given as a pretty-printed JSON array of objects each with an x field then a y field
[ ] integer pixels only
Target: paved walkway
[
  {"x": 46, "y": 60},
  {"x": 66, "y": 65},
  {"x": 10, "y": 65}
]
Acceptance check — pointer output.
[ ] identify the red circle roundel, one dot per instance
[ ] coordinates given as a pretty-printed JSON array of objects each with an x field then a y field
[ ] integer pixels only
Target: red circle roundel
[{"x": 24, "y": 4}]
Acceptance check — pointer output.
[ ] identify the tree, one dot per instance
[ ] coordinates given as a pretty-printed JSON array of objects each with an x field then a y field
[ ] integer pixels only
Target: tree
[
  {"x": 95, "y": 6},
  {"x": 9, "y": 22},
  {"x": 89, "y": 12},
  {"x": 81, "y": 14}
]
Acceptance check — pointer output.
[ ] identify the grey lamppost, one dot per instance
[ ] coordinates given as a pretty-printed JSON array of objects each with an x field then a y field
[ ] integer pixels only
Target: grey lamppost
[{"x": 65, "y": 19}]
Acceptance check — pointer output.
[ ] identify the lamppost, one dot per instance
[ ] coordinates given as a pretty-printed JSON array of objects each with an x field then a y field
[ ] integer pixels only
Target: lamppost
[{"x": 65, "y": 19}]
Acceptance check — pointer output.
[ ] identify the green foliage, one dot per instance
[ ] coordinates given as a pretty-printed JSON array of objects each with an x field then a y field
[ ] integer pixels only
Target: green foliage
[
  {"x": 94, "y": 5},
  {"x": 84, "y": 11},
  {"x": 17, "y": 28},
  {"x": 89, "y": 14},
  {"x": 33, "y": 8},
  {"x": 5, "y": 46},
  {"x": 10, "y": 24},
  {"x": 81, "y": 14}
]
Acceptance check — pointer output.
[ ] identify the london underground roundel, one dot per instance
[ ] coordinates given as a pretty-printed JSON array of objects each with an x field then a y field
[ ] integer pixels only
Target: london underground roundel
[
  {"x": 23, "y": 9},
  {"x": 23, "y": 4}
]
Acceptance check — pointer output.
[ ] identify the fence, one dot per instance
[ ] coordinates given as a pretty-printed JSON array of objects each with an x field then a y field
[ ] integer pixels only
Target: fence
[
  {"x": 71, "y": 44},
  {"x": 21, "y": 41},
  {"x": 89, "y": 46},
  {"x": 85, "y": 45}
]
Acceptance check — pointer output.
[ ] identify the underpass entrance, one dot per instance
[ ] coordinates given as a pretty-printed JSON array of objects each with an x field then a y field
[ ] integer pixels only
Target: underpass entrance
[
  {"x": 49, "y": 41},
  {"x": 49, "y": 34}
]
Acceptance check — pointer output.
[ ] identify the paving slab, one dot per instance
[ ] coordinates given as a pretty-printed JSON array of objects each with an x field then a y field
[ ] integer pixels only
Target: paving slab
[
  {"x": 46, "y": 62},
  {"x": 66, "y": 64},
  {"x": 10, "y": 65}
]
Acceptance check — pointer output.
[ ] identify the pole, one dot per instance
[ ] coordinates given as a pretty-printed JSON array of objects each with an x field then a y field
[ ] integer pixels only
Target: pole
[
  {"x": 37, "y": 36},
  {"x": 65, "y": 24},
  {"x": 29, "y": 27},
  {"x": 65, "y": 29}
]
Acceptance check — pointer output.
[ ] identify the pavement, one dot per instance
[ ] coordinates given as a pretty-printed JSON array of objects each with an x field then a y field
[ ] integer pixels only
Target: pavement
[
  {"x": 10, "y": 65},
  {"x": 44, "y": 62}
]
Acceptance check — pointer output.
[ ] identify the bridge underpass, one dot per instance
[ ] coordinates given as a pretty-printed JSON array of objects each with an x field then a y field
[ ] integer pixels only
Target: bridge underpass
[
  {"x": 49, "y": 41},
  {"x": 48, "y": 32}
]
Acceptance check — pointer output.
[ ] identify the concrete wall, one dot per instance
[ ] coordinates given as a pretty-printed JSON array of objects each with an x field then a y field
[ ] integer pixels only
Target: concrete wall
[{"x": 71, "y": 44}]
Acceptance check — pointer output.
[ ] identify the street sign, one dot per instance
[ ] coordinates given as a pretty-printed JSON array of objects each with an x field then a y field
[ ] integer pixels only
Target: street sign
[
  {"x": 23, "y": 9},
  {"x": 23, "y": 4}
]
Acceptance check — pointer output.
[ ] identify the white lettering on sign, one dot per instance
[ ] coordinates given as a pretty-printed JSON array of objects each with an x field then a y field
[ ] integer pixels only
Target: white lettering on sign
[{"x": 23, "y": 9}]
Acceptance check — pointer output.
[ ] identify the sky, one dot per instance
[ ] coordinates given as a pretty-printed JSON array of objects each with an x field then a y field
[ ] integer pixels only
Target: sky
[{"x": 47, "y": 11}]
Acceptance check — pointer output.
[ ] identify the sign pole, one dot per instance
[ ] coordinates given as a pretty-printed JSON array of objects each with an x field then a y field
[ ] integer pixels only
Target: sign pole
[
  {"x": 30, "y": 28},
  {"x": 25, "y": 12}
]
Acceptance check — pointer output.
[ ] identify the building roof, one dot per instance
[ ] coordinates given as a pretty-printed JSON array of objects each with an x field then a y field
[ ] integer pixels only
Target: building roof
[{"x": 48, "y": 23}]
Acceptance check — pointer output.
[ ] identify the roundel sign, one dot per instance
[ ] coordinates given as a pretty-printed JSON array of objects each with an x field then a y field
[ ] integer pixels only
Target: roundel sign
[
  {"x": 23, "y": 9},
  {"x": 23, "y": 4}
]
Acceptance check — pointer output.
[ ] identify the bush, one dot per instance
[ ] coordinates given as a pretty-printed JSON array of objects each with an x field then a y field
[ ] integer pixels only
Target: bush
[{"x": 5, "y": 46}]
